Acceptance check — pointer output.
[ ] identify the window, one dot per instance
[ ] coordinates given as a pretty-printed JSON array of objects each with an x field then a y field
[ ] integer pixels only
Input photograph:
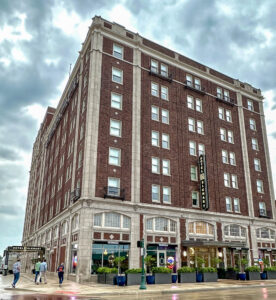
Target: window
[
  {"x": 252, "y": 124},
  {"x": 262, "y": 209},
  {"x": 201, "y": 228},
  {"x": 232, "y": 158},
  {"x": 200, "y": 129},
  {"x": 197, "y": 84},
  {"x": 164, "y": 70},
  {"x": 257, "y": 164},
  {"x": 226, "y": 95},
  {"x": 75, "y": 222},
  {"x": 201, "y": 149},
  {"x": 59, "y": 183},
  {"x": 112, "y": 220},
  {"x": 155, "y": 165},
  {"x": 260, "y": 186},
  {"x": 155, "y": 138},
  {"x": 80, "y": 159},
  {"x": 198, "y": 105},
  {"x": 230, "y": 137},
  {"x": 265, "y": 233},
  {"x": 234, "y": 181},
  {"x": 234, "y": 230},
  {"x": 228, "y": 115},
  {"x": 166, "y": 194},
  {"x": 226, "y": 179},
  {"x": 165, "y": 116},
  {"x": 195, "y": 199},
  {"x": 98, "y": 220},
  {"x": 81, "y": 132},
  {"x": 149, "y": 224},
  {"x": 190, "y": 102},
  {"x": 155, "y": 113},
  {"x": 164, "y": 93},
  {"x": 224, "y": 154},
  {"x": 166, "y": 167},
  {"x": 113, "y": 186},
  {"x": 189, "y": 79},
  {"x": 155, "y": 193},
  {"x": 221, "y": 113},
  {"x": 115, "y": 127},
  {"x": 116, "y": 101},
  {"x": 250, "y": 105},
  {"x": 154, "y": 66},
  {"x": 118, "y": 51},
  {"x": 64, "y": 228},
  {"x": 219, "y": 92},
  {"x": 114, "y": 157},
  {"x": 255, "y": 145},
  {"x": 236, "y": 205},
  {"x": 161, "y": 224},
  {"x": 222, "y": 134},
  {"x": 191, "y": 123},
  {"x": 193, "y": 173},
  {"x": 154, "y": 89},
  {"x": 228, "y": 204},
  {"x": 117, "y": 75},
  {"x": 192, "y": 148},
  {"x": 165, "y": 141}
]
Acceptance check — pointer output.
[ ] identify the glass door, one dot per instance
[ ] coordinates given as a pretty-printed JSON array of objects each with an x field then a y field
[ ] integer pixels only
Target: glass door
[{"x": 161, "y": 259}]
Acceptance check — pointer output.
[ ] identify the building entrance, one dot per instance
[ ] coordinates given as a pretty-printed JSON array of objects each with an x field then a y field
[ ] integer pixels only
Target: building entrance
[{"x": 201, "y": 255}]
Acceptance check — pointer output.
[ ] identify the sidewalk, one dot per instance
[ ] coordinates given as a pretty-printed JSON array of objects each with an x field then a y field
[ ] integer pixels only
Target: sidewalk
[{"x": 26, "y": 284}]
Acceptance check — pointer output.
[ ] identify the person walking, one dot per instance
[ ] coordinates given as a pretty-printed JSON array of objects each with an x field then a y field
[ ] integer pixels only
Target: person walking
[
  {"x": 37, "y": 269},
  {"x": 42, "y": 272},
  {"x": 60, "y": 271},
  {"x": 16, "y": 272}
]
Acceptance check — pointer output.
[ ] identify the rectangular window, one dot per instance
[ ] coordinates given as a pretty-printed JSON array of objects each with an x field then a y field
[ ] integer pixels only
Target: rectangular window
[
  {"x": 165, "y": 141},
  {"x": 165, "y": 116},
  {"x": 201, "y": 149},
  {"x": 154, "y": 89},
  {"x": 155, "y": 138},
  {"x": 155, "y": 193},
  {"x": 257, "y": 164},
  {"x": 234, "y": 181},
  {"x": 232, "y": 158},
  {"x": 219, "y": 92},
  {"x": 250, "y": 105},
  {"x": 230, "y": 137},
  {"x": 155, "y": 165},
  {"x": 154, "y": 66},
  {"x": 118, "y": 51},
  {"x": 166, "y": 167},
  {"x": 191, "y": 123},
  {"x": 260, "y": 186},
  {"x": 226, "y": 179},
  {"x": 189, "y": 80},
  {"x": 228, "y": 115},
  {"x": 190, "y": 102},
  {"x": 262, "y": 208},
  {"x": 200, "y": 128},
  {"x": 195, "y": 199},
  {"x": 228, "y": 204},
  {"x": 166, "y": 194},
  {"x": 197, "y": 84},
  {"x": 164, "y": 93},
  {"x": 226, "y": 95},
  {"x": 255, "y": 145},
  {"x": 221, "y": 113},
  {"x": 236, "y": 205},
  {"x": 224, "y": 154},
  {"x": 164, "y": 70},
  {"x": 252, "y": 124},
  {"x": 113, "y": 186},
  {"x": 193, "y": 173},
  {"x": 116, "y": 101},
  {"x": 222, "y": 134},
  {"x": 117, "y": 75},
  {"x": 155, "y": 113},
  {"x": 192, "y": 148},
  {"x": 198, "y": 105},
  {"x": 114, "y": 157},
  {"x": 115, "y": 128}
]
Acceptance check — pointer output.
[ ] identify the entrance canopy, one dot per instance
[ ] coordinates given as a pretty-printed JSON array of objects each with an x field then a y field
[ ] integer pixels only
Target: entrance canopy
[{"x": 200, "y": 243}]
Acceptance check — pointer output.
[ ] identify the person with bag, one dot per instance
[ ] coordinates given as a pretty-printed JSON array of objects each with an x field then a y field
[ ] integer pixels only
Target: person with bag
[{"x": 60, "y": 271}]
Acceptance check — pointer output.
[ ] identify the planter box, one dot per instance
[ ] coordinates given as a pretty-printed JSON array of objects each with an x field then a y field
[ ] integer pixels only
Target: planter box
[
  {"x": 133, "y": 279},
  {"x": 253, "y": 276},
  {"x": 101, "y": 278},
  {"x": 187, "y": 277},
  {"x": 150, "y": 279},
  {"x": 270, "y": 275},
  {"x": 163, "y": 278},
  {"x": 231, "y": 275},
  {"x": 110, "y": 278},
  {"x": 210, "y": 277}
]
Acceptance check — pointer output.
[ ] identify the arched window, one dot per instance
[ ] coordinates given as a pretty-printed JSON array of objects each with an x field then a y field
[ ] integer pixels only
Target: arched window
[
  {"x": 112, "y": 220},
  {"x": 265, "y": 233},
  {"x": 75, "y": 222},
  {"x": 199, "y": 227},
  {"x": 161, "y": 224},
  {"x": 234, "y": 230}
]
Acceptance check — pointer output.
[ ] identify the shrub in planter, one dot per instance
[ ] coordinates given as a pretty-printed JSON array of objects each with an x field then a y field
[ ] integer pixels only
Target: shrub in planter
[
  {"x": 133, "y": 276},
  {"x": 186, "y": 274},
  {"x": 270, "y": 272},
  {"x": 209, "y": 274},
  {"x": 101, "y": 274},
  {"x": 243, "y": 262},
  {"x": 162, "y": 275},
  {"x": 107, "y": 275},
  {"x": 232, "y": 273},
  {"x": 253, "y": 273}
]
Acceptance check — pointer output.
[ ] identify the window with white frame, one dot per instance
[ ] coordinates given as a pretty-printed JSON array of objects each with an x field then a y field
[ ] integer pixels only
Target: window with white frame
[
  {"x": 114, "y": 157},
  {"x": 155, "y": 193},
  {"x": 154, "y": 89},
  {"x": 201, "y": 228},
  {"x": 192, "y": 148},
  {"x": 228, "y": 202},
  {"x": 113, "y": 188},
  {"x": 57, "y": 206},
  {"x": 200, "y": 128},
  {"x": 80, "y": 159},
  {"x": 262, "y": 208},
  {"x": 64, "y": 228},
  {"x": 165, "y": 141},
  {"x": 115, "y": 128},
  {"x": 155, "y": 138},
  {"x": 226, "y": 177},
  {"x": 191, "y": 123},
  {"x": 257, "y": 164},
  {"x": 116, "y": 101},
  {"x": 165, "y": 116},
  {"x": 166, "y": 194},
  {"x": 219, "y": 92},
  {"x": 118, "y": 51},
  {"x": 265, "y": 233},
  {"x": 198, "y": 105},
  {"x": 164, "y": 93},
  {"x": 166, "y": 167},
  {"x": 201, "y": 149},
  {"x": 155, "y": 113},
  {"x": 164, "y": 70},
  {"x": 195, "y": 198},
  {"x": 228, "y": 115},
  {"x": 197, "y": 84},
  {"x": 226, "y": 95},
  {"x": 161, "y": 224},
  {"x": 222, "y": 134},
  {"x": 189, "y": 80},
  {"x": 81, "y": 131},
  {"x": 75, "y": 222},
  {"x": 221, "y": 113},
  {"x": 60, "y": 182},
  {"x": 55, "y": 233},
  {"x": 236, "y": 205},
  {"x": 250, "y": 105},
  {"x": 235, "y": 231},
  {"x": 234, "y": 181},
  {"x": 190, "y": 102},
  {"x": 111, "y": 220},
  {"x": 155, "y": 165},
  {"x": 194, "y": 173},
  {"x": 230, "y": 137},
  {"x": 252, "y": 124},
  {"x": 260, "y": 186},
  {"x": 254, "y": 143},
  {"x": 154, "y": 66},
  {"x": 224, "y": 154},
  {"x": 117, "y": 75},
  {"x": 232, "y": 158}
]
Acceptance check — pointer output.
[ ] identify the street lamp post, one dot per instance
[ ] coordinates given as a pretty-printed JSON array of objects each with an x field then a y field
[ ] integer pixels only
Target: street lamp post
[{"x": 143, "y": 282}]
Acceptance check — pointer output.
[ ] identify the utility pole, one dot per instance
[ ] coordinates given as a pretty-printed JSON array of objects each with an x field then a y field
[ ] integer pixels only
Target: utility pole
[{"x": 143, "y": 281}]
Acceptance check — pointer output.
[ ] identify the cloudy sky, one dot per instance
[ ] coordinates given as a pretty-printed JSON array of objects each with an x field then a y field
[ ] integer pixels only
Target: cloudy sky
[{"x": 39, "y": 39}]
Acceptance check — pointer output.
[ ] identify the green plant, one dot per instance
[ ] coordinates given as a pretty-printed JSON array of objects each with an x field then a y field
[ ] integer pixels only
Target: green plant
[
  {"x": 208, "y": 270},
  {"x": 103, "y": 270},
  {"x": 266, "y": 262},
  {"x": 133, "y": 271},
  {"x": 243, "y": 262},
  {"x": 215, "y": 261},
  {"x": 233, "y": 269},
  {"x": 121, "y": 263},
  {"x": 200, "y": 261},
  {"x": 161, "y": 270},
  {"x": 252, "y": 269},
  {"x": 271, "y": 269},
  {"x": 185, "y": 270},
  {"x": 149, "y": 262}
]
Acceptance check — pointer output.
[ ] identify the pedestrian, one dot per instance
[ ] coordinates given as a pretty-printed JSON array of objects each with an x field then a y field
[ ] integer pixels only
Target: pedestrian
[
  {"x": 60, "y": 271},
  {"x": 37, "y": 269},
  {"x": 42, "y": 272},
  {"x": 16, "y": 272}
]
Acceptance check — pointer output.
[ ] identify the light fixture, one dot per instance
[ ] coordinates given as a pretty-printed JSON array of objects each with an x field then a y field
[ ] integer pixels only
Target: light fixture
[
  {"x": 105, "y": 252},
  {"x": 184, "y": 253}
]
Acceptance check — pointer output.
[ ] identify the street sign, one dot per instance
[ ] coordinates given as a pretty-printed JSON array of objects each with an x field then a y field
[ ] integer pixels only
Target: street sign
[{"x": 25, "y": 249}]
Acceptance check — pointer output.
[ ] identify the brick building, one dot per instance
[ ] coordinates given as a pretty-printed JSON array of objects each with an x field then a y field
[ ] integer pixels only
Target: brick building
[{"x": 147, "y": 143}]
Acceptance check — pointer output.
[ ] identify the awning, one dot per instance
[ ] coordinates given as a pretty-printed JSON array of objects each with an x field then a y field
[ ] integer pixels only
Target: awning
[{"x": 221, "y": 244}]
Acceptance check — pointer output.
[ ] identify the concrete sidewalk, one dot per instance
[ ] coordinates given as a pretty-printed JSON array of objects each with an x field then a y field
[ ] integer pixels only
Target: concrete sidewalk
[{"x": 26, "y": 285}]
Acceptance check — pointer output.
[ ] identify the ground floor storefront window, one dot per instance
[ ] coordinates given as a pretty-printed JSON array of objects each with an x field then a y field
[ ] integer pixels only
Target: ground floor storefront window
[
  {"x": 74, "y": 259},
  {"x": 110, "y": 255}
]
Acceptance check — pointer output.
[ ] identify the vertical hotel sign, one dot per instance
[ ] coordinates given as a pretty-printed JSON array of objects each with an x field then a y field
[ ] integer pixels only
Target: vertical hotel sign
[{"x": 203, "y": 182}]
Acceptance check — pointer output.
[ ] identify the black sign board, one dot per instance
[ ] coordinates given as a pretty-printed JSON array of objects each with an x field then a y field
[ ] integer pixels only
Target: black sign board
[
  {"x": 203, "y": 182},
  {"x": 26, "y": 249}
]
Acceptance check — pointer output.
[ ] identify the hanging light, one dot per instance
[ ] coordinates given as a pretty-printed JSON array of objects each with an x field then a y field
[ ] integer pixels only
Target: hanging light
[{"x": 105, "y": 252}]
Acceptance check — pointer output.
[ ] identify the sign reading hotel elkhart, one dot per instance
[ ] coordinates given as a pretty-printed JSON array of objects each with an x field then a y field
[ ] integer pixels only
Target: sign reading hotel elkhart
[{"x": 203, "y": 182}]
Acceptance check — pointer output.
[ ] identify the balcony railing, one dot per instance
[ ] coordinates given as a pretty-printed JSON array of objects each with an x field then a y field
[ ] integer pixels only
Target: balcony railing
[
  {"x": 162, "y": 74},
  {"x": 263, "y": 213},
  {"x": 225, "y": 99},
  {"x": 75, "y": 195},
  {"x": 114, "y": 193},
  {"x": 194, "y": 87}
]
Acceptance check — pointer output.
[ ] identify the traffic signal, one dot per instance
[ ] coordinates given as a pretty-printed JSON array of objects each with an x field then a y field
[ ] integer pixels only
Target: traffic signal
[{"x": 140, "y": 244}]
